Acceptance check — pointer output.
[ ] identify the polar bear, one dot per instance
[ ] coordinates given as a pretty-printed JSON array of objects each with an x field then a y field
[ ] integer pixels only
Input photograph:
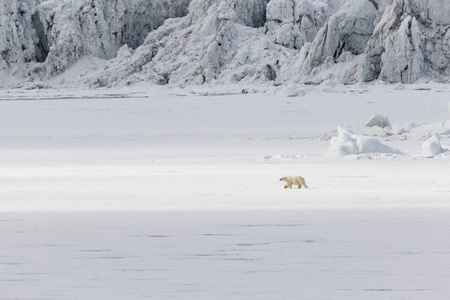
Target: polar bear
[{"x": 294, "y": 180}]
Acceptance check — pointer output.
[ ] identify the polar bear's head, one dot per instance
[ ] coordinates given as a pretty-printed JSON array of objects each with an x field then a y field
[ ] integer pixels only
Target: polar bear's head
[{"x": 283, "y": 179}]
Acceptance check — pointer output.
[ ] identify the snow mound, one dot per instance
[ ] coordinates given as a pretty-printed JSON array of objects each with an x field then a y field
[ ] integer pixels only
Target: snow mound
[
  {"x": 429, "y": 130},
  {"x": 378, "y": 120},
  {"x": 295, "y": 90},
  {"x": 379, "y": 125},
  {"x": 347, "y": 143},
  {"x": 432, "y": 147}
]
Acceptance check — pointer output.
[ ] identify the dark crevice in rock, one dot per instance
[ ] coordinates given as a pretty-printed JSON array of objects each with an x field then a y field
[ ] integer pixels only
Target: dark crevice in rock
[{"x": 41, "y": 47}]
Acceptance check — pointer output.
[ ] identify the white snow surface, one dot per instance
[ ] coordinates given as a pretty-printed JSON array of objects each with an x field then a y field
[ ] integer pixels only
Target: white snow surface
[
  {"x": 139, "y": 191},
  {"x": 166, "y": 193}
]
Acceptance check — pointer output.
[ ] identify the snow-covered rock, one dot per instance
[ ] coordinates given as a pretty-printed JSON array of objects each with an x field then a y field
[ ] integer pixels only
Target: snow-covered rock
[
  {"x": 403, "y": 60},
  {"x": 225, "y": 41},
  {"x": 294, "y": 23},
  {"x": 344, "y": 36},
  {"x": 218, "y": 41},
  {"x": 411, "y": 40},
  {"x": 347, "y": 143},
  {"x": 98, "y": 27},
  {"x": 432, "y": 147},
  {"x": 17, "y": 42}
]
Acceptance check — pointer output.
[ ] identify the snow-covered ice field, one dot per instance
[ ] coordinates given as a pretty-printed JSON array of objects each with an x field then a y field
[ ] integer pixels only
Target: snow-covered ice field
[
  {"x": 150, "y": 192},
  {"x": 234, "y": 254}
]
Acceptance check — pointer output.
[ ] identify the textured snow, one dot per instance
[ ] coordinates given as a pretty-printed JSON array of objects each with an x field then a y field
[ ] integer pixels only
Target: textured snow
[
  {"x": 256, "y": 254},
  {"x": 348, "y": 143}
]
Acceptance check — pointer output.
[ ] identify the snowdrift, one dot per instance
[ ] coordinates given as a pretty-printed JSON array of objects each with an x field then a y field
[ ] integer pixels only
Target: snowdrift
[
  {"x": 362, "y": 139},
  {"x": 347, "y": 143},
  {"x": 432, "y": 147},
  {"x": 223, "y": 41}
]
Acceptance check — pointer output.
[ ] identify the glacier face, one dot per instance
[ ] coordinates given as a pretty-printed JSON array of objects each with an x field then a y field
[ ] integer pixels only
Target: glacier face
[{"x": 224, "y": 41}]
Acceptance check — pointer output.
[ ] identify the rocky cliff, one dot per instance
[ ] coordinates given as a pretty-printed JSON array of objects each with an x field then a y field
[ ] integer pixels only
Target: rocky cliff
[{"x": 223, "y": 41}]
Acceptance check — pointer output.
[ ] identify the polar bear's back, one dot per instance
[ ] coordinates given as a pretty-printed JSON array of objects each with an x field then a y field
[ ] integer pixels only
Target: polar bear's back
[{"x": 297, "y": 179}]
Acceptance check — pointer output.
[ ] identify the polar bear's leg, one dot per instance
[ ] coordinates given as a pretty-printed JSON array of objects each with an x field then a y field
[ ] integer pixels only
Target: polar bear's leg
[{"x": 303, "y": 183}]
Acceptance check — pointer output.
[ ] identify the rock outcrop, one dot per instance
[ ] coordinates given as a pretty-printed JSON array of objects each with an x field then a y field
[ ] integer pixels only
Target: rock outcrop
[
  {"x": 99, "y": 27},
  {"x": 345, "y": 35},
  {"x": 294, "y": 23},
  {"x": 218, "y": 41},
  {"x": 16, "y": 34},
  {"x": 410, "y": 41},
  {"x": 224, "y": 41}
]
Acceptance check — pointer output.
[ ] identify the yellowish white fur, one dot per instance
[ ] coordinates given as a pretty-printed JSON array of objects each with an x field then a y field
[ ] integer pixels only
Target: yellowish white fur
[{"x": 294, "y": 180}]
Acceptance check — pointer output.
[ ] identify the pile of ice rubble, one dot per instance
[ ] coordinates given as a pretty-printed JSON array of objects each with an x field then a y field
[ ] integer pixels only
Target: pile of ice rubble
[
  {"x": 362, "y": 140},
  {"x": 103, "y": 43}
]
